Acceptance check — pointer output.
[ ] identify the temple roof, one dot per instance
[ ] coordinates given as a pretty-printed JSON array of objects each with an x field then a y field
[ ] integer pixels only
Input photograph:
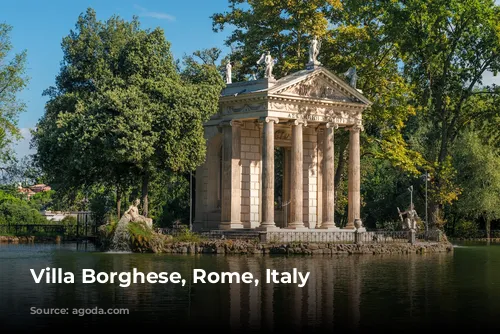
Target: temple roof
[{"x": 321, "y": 84}]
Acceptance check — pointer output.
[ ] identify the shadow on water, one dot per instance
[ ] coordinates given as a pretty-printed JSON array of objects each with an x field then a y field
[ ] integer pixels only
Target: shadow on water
[{"x": 350, "y": 293}]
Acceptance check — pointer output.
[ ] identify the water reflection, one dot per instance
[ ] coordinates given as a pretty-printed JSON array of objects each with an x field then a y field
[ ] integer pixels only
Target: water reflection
[{"x": 349, "y": 293}]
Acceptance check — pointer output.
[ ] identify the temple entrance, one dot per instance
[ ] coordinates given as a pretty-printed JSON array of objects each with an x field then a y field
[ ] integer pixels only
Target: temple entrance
[{"x": 282, "y": 186}]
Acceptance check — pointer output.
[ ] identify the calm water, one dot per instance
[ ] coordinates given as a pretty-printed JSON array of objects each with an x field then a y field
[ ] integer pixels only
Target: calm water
[{"x": 365, "y": 293}]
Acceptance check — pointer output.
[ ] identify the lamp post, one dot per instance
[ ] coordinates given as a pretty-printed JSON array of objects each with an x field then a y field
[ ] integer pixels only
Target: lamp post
[
  {"x": 426, "y": 179},
  {"x": 410, "y": 189},
  {"x": 190, "y": 201}
]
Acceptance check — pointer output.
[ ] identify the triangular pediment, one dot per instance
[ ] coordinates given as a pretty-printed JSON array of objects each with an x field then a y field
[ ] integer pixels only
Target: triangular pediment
[{"x": 318, "y": 84}]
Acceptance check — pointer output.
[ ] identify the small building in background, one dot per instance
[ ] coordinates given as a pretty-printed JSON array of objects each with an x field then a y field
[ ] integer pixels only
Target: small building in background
[{"x": 32, "y": 190}]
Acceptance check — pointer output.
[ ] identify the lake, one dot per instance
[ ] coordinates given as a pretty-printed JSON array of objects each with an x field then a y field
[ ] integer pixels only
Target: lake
[{"x": 410, "y": 293}]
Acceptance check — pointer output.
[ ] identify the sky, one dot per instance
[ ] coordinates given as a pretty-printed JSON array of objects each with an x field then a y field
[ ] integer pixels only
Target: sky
[{"x": 39, "y": 26}]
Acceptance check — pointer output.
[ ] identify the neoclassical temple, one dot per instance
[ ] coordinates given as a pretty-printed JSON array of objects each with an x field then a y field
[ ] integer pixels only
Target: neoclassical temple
[{"x": 298, "y": 114}]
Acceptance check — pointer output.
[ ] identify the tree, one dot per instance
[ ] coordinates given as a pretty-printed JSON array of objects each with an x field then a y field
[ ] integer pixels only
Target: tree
[
  {"x": 479, "y": 165},
  {"x": 447, "y": 46},
  {"x": 282, "y": 27},
  {"x": 121, "y": 110},
  {"x": 12, "y": 81},
  {"x": 20, "y": 171}
]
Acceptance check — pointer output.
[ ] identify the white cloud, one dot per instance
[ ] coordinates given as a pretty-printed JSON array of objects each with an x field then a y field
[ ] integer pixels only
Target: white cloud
[
  {"x": 22, "y": 147},
  {"x": 157, "y": 15}
]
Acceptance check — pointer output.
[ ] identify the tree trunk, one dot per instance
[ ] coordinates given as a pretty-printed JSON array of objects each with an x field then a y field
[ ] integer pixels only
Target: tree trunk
[
  {"x": 434, "y": 214},
  {"x": 118, "y": 201},
  {"x": 145, "y": 185},
  {"x": 488, "y": 227}
]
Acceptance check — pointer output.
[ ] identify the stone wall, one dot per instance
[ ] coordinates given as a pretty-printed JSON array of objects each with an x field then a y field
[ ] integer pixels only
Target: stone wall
[{"x": 248, "y": 247}]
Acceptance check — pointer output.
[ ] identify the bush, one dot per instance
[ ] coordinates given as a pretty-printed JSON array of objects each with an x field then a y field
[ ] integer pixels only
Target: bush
[
  {"x": 69, "y": 223},
  {"x": 16, "y": 211},
  {"x": 185, "y": 235},
  {"x": 143, "y": 239},
  {"x": 466, "y": 230}
]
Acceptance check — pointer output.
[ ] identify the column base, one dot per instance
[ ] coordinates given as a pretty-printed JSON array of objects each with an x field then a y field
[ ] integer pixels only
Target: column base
[
  {"x": 297, "y": 228},
  {"x": 251, "y": 224},
  {"x": 330, "y": 228},
  {"x": 350, "y": 226},
  {"x": 268, "y": 227},
  {"x": 230, "y": 225}
]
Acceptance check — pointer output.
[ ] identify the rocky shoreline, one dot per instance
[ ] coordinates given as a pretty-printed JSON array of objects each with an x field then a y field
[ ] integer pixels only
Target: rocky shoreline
[
  {"x": 246, "y": 247},
  {"x": 228, "y": 247},
  {"x": 28, "y": 239},
  {"x": 476, "y": 239}
]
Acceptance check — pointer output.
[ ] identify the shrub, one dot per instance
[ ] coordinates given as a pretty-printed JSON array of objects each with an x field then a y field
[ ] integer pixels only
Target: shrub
[
  {"x": 69, "y": 223},
  {"x": 185, "y": 235},
  {"x": 143, "y": 239},
  {"x": 466, "y": 230}
]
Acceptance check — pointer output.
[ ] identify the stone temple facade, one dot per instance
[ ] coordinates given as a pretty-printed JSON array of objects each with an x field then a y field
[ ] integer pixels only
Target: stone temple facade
[{"x": 300, "y": 113}]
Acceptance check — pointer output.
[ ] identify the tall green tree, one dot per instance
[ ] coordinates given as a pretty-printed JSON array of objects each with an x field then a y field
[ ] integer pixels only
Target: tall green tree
[
  {"x": 121, "y": 110},
  {"x": 478, "y": 160},
  {"x": 283, "y": 27},
  {"x": 447, "y": 46},
  {"x": 12, "y": 81}
]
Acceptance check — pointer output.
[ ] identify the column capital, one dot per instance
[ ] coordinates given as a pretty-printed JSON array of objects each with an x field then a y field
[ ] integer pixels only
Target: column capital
[
  {"x": 299, "y": 121},
  {"x": 269, "y": 119},
  {"x": 356, "y": 127},
  {"x": 331, "y": 125},
  {"x": 230, "y": 123}
]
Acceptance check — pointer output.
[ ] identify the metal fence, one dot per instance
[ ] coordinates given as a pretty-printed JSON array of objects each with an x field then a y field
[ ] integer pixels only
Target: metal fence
[
  {"x": 431, "y": 235},
  {"x": 240, "y": 235},
  {"x": 320, "y": 236},
  {"x": 20, "y": 229},
  {"x": 383, "y": 237}
]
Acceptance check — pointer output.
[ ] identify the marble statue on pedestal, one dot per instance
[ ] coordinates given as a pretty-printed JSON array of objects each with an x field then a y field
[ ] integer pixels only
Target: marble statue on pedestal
[
  {"x": 132, "y": 215},
  {"x": 228, "y": 72},
  {"x": 410, "y": 222},
  {"x": 352, "y": 75},
  {"x": 268, "y": 60}
]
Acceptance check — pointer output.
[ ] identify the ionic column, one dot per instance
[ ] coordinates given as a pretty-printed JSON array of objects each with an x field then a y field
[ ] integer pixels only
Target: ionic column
[
  {"x": 328, "y": 209},
  {"x": 231, "y": 176},
  {"x": 297, "y": 181},
  {"x": 354, "y": 195},
  {"x": 268, "y": 174}
]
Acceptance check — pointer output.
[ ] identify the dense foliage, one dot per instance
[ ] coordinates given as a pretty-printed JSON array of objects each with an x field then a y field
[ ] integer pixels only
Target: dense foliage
[
  {"x": 15, "y": 210},
  {"x": 12, "y": 81},
  {"x": 122, "y": 114}
]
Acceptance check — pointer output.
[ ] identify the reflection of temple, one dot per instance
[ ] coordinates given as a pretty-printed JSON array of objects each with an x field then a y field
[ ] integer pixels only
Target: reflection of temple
[{"x": 296, "y": 117}]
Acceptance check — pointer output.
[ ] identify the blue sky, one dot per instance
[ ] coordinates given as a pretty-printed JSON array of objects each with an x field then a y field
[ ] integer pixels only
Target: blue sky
[{"x": 39, "y": 26}]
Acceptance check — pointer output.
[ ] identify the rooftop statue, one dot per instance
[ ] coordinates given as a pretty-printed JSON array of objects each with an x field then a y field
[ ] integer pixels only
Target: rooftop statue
[
  {"x": 268, "y": 60},
  {"x": 314, "y": 48},
  {"x": 228, "y": 72},
  {"x": 352, "y": 75}
]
